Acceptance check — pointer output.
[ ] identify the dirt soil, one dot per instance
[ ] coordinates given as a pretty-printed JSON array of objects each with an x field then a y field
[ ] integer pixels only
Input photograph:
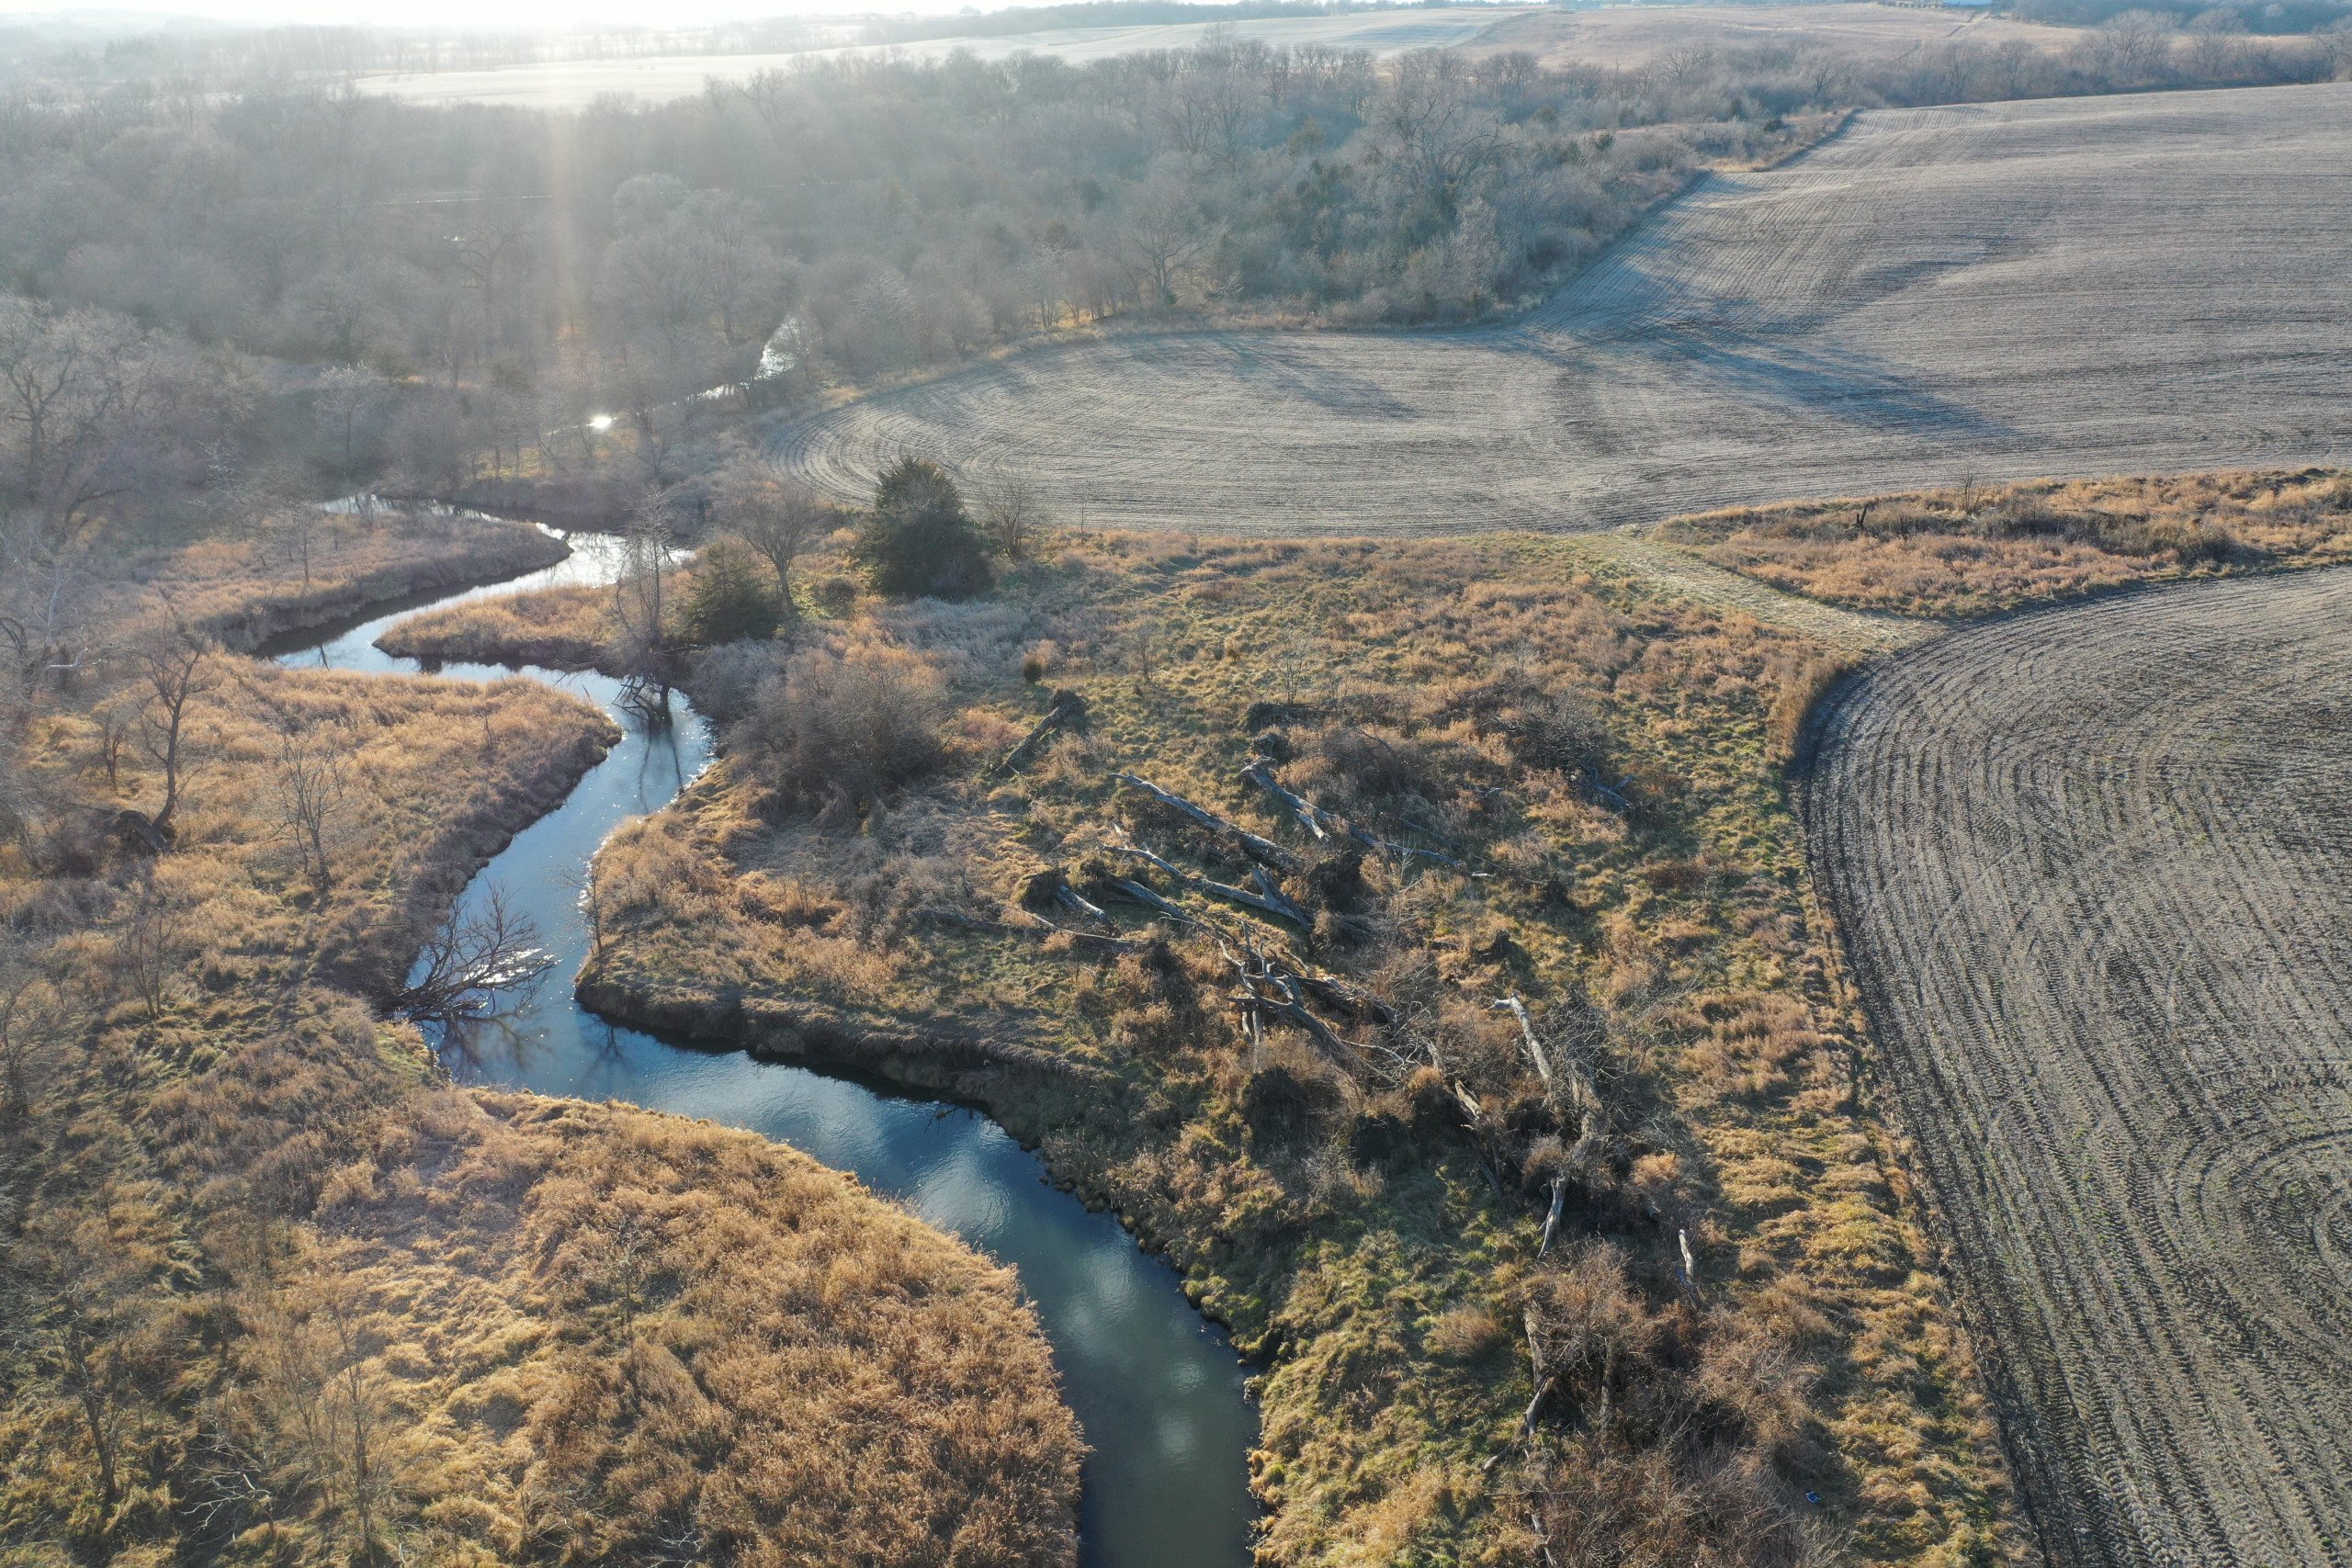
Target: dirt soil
[
  {"x": 2091, "y": 869},
  {"x": 1856, "y": 319}
]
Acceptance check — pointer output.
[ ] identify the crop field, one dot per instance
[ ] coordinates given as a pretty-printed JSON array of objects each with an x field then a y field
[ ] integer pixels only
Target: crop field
[
  {"x": 1856, "y": 320},
  {"x": 1634, "y": 38},
  {"x": 575, "y": 84},
  {"x": 2092, "y": 866}
]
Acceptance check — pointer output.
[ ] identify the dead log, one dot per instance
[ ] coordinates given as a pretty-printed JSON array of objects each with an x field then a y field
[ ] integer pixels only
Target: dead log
[
  {"x": 1262, "y": 850},
  {"x": 939, "y": 915},
  {"x": 1051, "y": 887},
  {"x": 1154, "y": 902},
  {"x": 1270, "y": 902},
  {"x": 1067, "y": 712},
  {"x": 1354, "y": 1000},
  {"x": 1545, "y": 1382},
  {"x": 1583, "y": 1098},
  {"x": 1288, "y": 1004},
  {"x": 1518, "y": 1010},
  {"x": 1311, "y": 817},
  {"x": 1407, "y": 851},
  {"x": 1552, "y": 1220}
]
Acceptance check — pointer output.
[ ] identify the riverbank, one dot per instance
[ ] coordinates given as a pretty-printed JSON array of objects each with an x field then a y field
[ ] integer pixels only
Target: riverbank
[
  {"x": 1516, "y": 779},
  {"x": 320, "y": 1297},
  {"x": 280, "y": 577}
]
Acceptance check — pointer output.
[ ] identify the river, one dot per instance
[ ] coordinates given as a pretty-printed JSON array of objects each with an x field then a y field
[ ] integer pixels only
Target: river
[{"x": 1156, "y": 1389}]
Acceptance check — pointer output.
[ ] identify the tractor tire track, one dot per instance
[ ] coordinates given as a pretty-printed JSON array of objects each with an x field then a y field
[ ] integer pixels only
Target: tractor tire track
[
  {"x": 2133, "y": 284},
  {"x": 2094, "y": 871}
]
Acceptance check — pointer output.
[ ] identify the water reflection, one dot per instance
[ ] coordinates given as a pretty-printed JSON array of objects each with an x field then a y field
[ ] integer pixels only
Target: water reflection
[{"x": 1154, "y": 1387}]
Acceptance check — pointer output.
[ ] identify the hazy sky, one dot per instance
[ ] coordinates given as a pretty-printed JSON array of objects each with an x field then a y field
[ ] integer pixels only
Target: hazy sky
[{"x": 496, "y": 15}]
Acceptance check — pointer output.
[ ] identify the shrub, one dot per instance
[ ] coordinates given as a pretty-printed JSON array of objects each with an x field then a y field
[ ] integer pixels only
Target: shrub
[
  {"x": 835, "y": 595},
  {"x": 727, "y": 679},
  {"x": 1281, "y": 1107},
  {"x": 1368, "y": 767},
  {"x": 837, "y": 728},
  {"x": 730, "y": 598},
  {"x": 918, "y": 542}
]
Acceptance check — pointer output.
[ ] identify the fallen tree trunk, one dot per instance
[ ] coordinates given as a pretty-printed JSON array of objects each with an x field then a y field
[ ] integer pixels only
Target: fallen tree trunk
[
  {"x": 1334, "y": 992},
  {"x": 1067, "y": 712},
  {"x": 1583, "y": 1098},
  {"x": 1322, "y": 822},
  {"x": 1311, "y": 817},
  {"x": 938, "y": 915},
  {"x": 1052, "y": 886},
  {"x": 1552, "y": 1220},
  {"x": 1262, "y": 850},
  {"x": 1154, "y": 902},
  {"x": 1270, "y": 902}
]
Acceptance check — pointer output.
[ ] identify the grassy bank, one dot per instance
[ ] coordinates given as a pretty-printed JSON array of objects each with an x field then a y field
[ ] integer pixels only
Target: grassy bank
[
  {"x": 560, "y": 629},
  {"x": 245, "y": 585},
  {"x": 1980, "y": 549},
  {"x": 1297, "y": 1077},
  {"x": 276, "y": 1291}
]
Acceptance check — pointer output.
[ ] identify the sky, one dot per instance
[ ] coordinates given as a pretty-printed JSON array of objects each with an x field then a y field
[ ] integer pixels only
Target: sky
[{"x": 498, "y": 16}]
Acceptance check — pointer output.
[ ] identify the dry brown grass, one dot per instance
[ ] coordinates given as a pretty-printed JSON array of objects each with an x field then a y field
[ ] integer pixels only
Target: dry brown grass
[
  {"x": 245, "y": 583},
  {"x": 563, "y": 628},
  {"x": 275, "y": 1294},
  {"x": 645, "y": 1330},
  {"x": 1981, "y": 549},
  {"x": 1597, "y": 754}
]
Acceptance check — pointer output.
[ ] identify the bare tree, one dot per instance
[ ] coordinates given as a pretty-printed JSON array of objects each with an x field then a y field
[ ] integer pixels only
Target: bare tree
[
  {"x": 177, "y": 667},
  {"x": 1010, "y": 509},
  {"x": 347, "y": 395},
  {"x": 590, "y": 894},
  {"x": 1437, "y": 135},
  {"x": 2216, "y": 45},
  {"x": 2335, "y": 40},
  {"x": 86, "y": 397},
  {"x": 42, "y": 619},
  {"x": 33, "y": 1018},
  {"x": 2129, "y": 48},
  {"x": 472, "y": 956},
  {"x": 770, "y": 511},
  {"x": 17, "y": 794},
  {"x": 85, "y": 1335},
  {"x": 313, "y": 781},
  {"x": 1161, "y": 231},
  {"x": 641, "y": 594},
  {"x": 314, "y": 1416},
  {"x": 152, "y": 947}
]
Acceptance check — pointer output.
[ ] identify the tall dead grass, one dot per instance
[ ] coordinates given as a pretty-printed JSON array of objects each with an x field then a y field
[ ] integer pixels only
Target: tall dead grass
[
  {"x": 273, "y": 1291},
  {"x": 1568, "y": 790},
  {"x": 572, "y": 628},
  {"x": 1976, "y": 549}
]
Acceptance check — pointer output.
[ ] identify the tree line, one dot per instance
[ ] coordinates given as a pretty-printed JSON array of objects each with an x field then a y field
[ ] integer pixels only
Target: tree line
[{"x": 453, "y": 293}]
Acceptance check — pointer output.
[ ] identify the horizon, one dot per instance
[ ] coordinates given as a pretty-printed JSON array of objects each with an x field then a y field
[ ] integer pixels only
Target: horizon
[{"x": 511, "y": 16}]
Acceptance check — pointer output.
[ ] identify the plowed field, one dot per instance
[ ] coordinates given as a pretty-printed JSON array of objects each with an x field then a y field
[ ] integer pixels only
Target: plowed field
[
  {"x": 2090, "y": 286},
  {"x": 2095, "y": 873}
]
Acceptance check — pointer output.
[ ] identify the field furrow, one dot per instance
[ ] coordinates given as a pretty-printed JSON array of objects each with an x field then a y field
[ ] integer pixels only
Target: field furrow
[
  {"x": 2094, "y": 868},
  {"x": 2085, "y": 286}
]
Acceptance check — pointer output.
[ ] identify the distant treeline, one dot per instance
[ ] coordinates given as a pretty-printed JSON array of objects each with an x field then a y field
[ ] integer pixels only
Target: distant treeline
[
  {"x": 465, "y": 284},
  {"x": 2273, "y": 18},
  {"x": 1016, "y": 19}
]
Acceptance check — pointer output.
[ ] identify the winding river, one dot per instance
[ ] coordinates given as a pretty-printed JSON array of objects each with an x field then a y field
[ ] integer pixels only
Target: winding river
[{"x": 1156, "y": 1389}]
